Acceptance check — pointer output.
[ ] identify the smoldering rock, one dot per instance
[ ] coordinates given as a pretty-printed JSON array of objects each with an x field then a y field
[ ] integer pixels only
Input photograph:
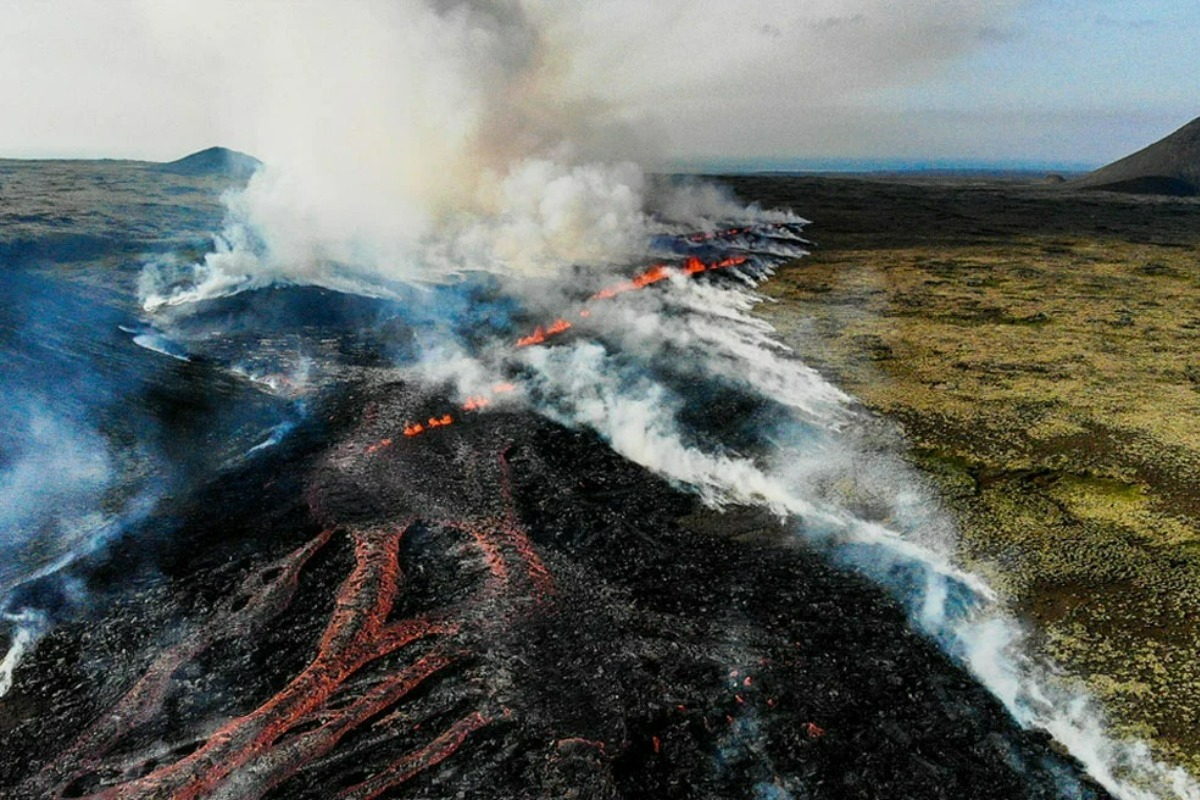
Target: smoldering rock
[{"x": 671, "y": 660}]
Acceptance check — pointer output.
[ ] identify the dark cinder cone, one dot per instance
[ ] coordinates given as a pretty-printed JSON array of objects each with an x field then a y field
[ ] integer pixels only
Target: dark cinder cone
[
  {"x": 213, "y": 161},
  {"x": 1170, "y": 166}
]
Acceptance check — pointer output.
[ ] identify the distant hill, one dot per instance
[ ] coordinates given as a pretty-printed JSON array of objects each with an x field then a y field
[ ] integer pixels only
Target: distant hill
[
  {"x": 213, "y": 161},
  {"x": 1170, "y": 166}
]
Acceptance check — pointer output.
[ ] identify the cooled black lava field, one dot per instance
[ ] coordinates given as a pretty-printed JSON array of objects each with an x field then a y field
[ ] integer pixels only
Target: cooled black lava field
[{"x": 500, "y": 609}]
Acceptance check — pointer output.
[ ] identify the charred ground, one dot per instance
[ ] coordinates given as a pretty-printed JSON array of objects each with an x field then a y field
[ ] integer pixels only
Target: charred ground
[{"x": 594, "y": 645}]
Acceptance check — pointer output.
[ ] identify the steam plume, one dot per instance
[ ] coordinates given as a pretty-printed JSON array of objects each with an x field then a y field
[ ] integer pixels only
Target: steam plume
[
  {"x": 446, "y": 143},
  {"x": 812, "y": 468}
]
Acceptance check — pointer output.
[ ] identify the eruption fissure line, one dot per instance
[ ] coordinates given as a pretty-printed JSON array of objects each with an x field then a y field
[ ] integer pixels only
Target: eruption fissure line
[{"x": 652, "y": 275}]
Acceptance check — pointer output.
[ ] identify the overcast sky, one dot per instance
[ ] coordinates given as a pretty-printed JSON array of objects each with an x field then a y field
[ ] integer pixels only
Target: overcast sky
[{"x": 1032, "y": 80}]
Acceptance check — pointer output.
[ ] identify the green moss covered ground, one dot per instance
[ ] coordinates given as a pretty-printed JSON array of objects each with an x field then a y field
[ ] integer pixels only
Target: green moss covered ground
[{"x": 1040, "y": 349}]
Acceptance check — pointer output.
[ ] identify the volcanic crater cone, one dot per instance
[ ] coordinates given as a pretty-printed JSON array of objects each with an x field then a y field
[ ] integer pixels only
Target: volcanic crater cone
[
  {"x": 219, "y": 161},
  {"x": 1170, "y": 166}
]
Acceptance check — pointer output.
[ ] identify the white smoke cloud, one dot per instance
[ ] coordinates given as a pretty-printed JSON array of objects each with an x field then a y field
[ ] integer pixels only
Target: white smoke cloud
[
  {"x": 832, "y": 483},
  {"x": 51, "y": 485},
  {"x": 25, "y": 628},
  {"x": 167, "y": 76},
  {"x": 413, "y": 139},
  {"x": 409, "y": 140},
  {"x": 52, "y": 479}
]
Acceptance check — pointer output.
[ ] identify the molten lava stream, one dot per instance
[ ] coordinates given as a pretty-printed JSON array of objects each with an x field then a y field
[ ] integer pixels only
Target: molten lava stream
[
  {"x": 432, "y": 754},
  {"x": 265, "y": 600},
  {"x": 356, "y": 635},
  {"x": 306, "y": 720}
]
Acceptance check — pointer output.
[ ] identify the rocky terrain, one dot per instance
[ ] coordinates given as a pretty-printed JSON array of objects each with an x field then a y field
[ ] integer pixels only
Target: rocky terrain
[
  {"x": 1170, "y": 166},
  {"x": 1037, "y": 347}
]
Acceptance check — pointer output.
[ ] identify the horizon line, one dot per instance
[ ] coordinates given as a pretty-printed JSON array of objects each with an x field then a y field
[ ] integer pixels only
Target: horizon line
[
  {"x": 755, "y": 164},
  {"x": 874, "y": 164}
]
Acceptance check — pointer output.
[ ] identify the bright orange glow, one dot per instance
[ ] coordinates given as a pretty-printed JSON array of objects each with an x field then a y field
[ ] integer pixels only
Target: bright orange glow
[
  {"x": 652, "y": 275},
  {"x": 476, "y": 402},
  {"x": 540, "y": 334},
  {"x": 660, "y": 272},
  {"x": 537, "y": 337},
  {"x": 704, "y": 237}
]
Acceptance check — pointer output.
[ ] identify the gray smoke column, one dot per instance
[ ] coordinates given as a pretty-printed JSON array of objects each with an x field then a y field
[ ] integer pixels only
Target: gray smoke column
[{"x": 409, "y": 141}]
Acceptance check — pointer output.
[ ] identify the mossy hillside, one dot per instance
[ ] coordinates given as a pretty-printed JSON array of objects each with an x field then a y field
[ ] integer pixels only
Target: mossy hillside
[{"x": 1040, "y": 351}]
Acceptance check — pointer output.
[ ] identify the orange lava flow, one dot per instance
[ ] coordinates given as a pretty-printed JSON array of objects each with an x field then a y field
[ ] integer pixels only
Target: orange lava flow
[
  {"x": 476, "y": 402},
  {"x": 139, "y": 705},
  {"x": 306, "y": 719},
  {"x": 405, "y": 768},
  {"x": 541, "y": 334},
  {"x": 505, "y": 544},
  {"x": 356, "y": 635},
  {"x": 660, "y": 272}
]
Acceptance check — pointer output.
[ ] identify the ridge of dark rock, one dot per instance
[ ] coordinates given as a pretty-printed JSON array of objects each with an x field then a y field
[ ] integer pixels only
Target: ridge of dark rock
[
  {"x": 213, "y": 161},
  {"x": 1170, "y": 166}
]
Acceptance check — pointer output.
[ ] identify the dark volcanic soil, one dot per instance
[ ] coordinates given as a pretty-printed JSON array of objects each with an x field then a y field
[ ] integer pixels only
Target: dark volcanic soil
[{"x": 503, "y": 608}]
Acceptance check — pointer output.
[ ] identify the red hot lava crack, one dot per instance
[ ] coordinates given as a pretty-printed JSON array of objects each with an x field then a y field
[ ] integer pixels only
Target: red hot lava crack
[
  {"x": 304, "y": 721},
  {"x": 541, "y": 334}
]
